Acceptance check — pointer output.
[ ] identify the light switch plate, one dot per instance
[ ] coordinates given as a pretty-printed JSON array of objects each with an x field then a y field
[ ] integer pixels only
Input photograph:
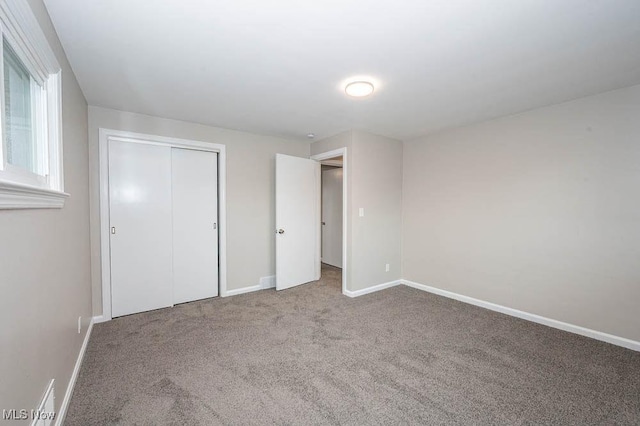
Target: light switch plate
[{"x": 361, "y": 211}]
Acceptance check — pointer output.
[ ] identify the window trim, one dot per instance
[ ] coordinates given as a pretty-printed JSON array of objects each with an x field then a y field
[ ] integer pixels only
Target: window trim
[{"x": 22, "y": 189}]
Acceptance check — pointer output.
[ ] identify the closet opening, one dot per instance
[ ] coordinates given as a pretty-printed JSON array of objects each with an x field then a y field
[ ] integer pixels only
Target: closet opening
[{"x": 163, "y": 222}]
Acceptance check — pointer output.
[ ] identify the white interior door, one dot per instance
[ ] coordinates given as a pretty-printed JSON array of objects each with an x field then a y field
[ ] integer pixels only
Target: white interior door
[
  {"x": 332, "y": 217},
  {"x": 194, "y": 176},
  {"x": 297, "y": 221},
  {"x": 140, "y": 221}
]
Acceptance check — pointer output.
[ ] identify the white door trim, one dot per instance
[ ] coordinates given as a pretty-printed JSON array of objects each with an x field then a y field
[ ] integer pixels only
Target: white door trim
[
  {"x": 332, "y": 163},
  {"x": 345, "y": 223},
  {"x": 108, "y": 134}
]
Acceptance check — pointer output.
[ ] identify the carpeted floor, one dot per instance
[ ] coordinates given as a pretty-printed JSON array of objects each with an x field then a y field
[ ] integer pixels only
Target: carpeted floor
[{"x": 309, "y": 355}]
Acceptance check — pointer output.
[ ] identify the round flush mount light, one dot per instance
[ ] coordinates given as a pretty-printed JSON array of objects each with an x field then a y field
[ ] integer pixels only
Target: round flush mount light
[
  {"x": 359, "y": 89},
  {"x": 311, "y": 135}
]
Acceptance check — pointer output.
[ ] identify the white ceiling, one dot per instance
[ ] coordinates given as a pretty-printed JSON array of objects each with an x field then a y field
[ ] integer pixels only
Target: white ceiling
[{"x": 277, "y": 67}]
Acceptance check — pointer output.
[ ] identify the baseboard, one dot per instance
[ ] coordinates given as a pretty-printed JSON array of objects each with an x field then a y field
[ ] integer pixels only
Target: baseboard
[
  {"x": 242, "y": 290},
  {"x": 372, "y": 289},
  {"x": 571, "y": 328},
  {"x": 265, "y": 283},
  {"x": 268, "y": 282},
  {"x": 98, "y": 319},
  {"x": 74, "y": 375}
]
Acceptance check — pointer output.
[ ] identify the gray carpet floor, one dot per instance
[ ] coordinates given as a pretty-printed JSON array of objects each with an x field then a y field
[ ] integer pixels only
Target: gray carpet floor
[{"x": 309, "y": 355}]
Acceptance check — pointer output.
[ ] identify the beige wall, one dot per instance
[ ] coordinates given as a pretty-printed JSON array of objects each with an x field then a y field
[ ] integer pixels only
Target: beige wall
[
  {"x": 377, "y": 178},
  {"x": 538, "y": 212},
  {"x": 250, "y": 190},
  {"x": 44, "y": 266},
  {"x": 374, "y": 182}
]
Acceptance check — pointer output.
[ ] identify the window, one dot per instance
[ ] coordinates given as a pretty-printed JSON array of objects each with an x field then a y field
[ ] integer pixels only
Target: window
[
  {"x": 30, "y": 114},
  {"x": 22, "y": 113}
]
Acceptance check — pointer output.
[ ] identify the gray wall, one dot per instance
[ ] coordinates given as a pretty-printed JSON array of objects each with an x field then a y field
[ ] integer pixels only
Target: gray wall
[
  {"x": 250, "y": 190},
  {"x": 374, "y": 182},
  {"x": 44, "y": 266},
  {"x": 538, "y": 212}
]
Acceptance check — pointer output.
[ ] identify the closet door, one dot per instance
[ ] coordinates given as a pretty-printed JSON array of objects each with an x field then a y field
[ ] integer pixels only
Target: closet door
[
  {"x": 194, "y": 176},
  {"x": 140, "y": 215}
]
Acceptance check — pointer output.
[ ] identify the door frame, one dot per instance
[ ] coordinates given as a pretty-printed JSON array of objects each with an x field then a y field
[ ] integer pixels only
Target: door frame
[
  {"x": 345, "y": 208},
  {"x": 107, "y": 135}
]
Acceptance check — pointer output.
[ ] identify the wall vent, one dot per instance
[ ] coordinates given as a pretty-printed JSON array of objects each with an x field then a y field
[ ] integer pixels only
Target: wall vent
[{"x": 45, "y": 414}]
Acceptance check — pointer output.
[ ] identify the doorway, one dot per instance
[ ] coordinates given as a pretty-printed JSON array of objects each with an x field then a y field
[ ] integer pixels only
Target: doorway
[
  {"x": 334, "y": 212},
  {"x": 298, "y": 224},
  {"x": 331, "y": 214}
]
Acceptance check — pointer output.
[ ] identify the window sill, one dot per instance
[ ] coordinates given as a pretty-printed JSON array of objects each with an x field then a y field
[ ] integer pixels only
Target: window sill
[{"x": 20, "y": 196}]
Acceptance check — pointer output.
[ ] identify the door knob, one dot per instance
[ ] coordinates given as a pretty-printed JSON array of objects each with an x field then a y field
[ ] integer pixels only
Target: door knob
[{"x": 280, "y": 231}]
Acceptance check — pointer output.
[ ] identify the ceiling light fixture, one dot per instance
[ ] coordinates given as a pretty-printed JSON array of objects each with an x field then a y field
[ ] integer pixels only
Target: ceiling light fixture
[
  {"x": 311, "y": 135},
  {"x": 359, "y": 89}
]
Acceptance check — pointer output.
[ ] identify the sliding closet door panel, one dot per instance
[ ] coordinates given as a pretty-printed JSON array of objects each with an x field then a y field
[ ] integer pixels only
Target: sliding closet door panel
[
  {"x": 140, "y": 214},
  {"x": 195, "y": 224}
]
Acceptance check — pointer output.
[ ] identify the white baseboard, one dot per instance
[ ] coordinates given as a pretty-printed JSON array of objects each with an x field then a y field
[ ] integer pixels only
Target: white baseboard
[
  {"x": 265, "y": 283},
  {"x": 242, "y": 290},
  {"x": 372, "y": 289},
  {"x": 74, "y": 375},
  {"x": 99, "y": 319},
  {"x": 571, "y": 328},
  {"x": 268, "y": 282}
]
